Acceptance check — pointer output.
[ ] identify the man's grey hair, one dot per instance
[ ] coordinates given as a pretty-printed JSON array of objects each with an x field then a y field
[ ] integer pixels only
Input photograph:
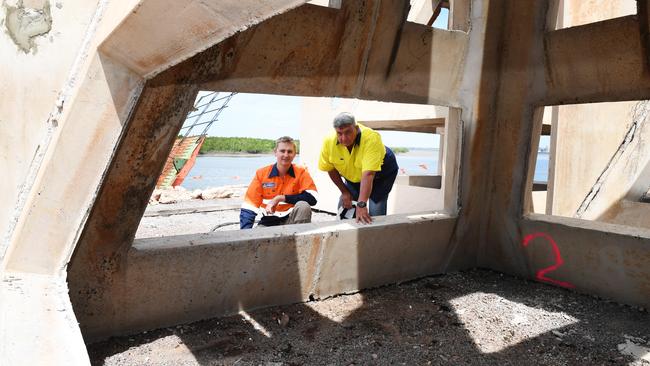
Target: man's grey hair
[
  {"x": 344, "y": 119},
  {"x": 287, "y": 140}
]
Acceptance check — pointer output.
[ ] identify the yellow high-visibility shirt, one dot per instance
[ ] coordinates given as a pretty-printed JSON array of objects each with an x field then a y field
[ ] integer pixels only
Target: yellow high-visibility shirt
[{"x": 367, "y": 155}]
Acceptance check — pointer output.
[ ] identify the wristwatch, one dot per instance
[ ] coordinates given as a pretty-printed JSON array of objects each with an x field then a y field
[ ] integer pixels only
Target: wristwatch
[{"x": 361, "y": 204}]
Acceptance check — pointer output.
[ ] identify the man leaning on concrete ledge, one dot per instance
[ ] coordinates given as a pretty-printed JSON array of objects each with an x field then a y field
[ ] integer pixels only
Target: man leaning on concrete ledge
[
  {"x": 356, "y": 153},
  {"x": 282, "y": 192}
]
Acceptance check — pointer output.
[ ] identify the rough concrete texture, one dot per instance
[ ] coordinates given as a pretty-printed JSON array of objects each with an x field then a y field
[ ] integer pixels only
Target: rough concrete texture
[
  {"x": 461, "y": 318},
  {"x": 212, "y": 274},
  {"x": 584, "y": 149},
  {"x": 615, "y": 269},
  {"x": 25, "y": 23},
  {"x": 38, "y": 325},
  {"x": 160, "y": 46}
]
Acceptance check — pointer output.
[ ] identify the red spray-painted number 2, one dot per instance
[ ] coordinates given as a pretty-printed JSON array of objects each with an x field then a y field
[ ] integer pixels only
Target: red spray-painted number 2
[{"x": 541, "y": 274}]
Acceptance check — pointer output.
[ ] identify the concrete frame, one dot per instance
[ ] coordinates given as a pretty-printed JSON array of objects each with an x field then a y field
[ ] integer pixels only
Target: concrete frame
[{"x": 510, "y": 65}]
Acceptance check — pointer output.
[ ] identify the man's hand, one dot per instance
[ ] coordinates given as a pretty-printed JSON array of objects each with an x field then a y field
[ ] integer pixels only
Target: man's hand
[
  {"x": 363, "y": 216},
  {"x": 270, "y": 207},
  {"x": 346, "y": 198}
]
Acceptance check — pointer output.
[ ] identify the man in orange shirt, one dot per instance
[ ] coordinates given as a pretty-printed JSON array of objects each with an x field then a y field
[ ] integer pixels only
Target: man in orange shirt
[{"x": 282, "y": 192}]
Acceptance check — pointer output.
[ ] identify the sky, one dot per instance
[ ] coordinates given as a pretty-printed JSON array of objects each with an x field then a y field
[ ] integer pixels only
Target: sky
[{"x": 265, "y": 115}]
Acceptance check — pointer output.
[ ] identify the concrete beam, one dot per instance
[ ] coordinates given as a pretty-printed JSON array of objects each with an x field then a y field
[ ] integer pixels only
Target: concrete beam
[
  {"x": 63, "y": 194},
  {"x": 175, "y": 280},
  {"x": 603, "y": 259},
  {"x": 160, "y": 33},
  {"x": 598, "y": 62},
  {"x": 426, "y": 125},
  {"x": 290, "y": 54}
]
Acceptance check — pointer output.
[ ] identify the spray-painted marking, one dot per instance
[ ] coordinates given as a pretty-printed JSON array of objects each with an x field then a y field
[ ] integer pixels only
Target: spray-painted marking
[{"x": 541, "y": 274}]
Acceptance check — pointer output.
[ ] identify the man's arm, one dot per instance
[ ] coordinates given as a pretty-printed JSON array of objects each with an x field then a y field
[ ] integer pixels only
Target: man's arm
[
  {"x": 302, "y": 196},
  {"x": 345, "y": 192},
  {"x": 367, "y": 177}
]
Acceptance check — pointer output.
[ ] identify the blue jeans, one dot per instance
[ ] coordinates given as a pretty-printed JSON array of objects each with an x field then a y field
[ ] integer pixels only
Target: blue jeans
[{"x": 375, "y": 208}]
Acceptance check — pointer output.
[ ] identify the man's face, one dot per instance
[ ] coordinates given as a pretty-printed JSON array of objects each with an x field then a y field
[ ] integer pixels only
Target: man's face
[
  {"x": 346, "y": 135},
  {"x": 284, "y": 153}
]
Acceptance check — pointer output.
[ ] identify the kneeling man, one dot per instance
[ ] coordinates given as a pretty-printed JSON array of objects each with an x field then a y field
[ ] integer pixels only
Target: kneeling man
[{"x": 282, "y": 192}]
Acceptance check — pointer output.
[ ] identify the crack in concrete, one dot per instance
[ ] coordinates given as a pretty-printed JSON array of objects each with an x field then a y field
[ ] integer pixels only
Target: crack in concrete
[
  {"x": 640, "y": 114},
  {"x": 319, "y": 265}
]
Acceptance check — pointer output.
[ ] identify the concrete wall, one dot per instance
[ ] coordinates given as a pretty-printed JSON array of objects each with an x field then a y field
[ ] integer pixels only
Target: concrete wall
[
  {"x": 607, "y": 260},
  {"x": 588, "y": 135},
  {"x": 37, "y": 69},
  {"x": 208, "y": 275}
]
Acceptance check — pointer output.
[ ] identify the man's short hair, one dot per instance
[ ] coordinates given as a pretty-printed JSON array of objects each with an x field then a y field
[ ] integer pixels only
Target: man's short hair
[
  {"x": 344, "y": 119},
  {"x": 288, "y": 140}
]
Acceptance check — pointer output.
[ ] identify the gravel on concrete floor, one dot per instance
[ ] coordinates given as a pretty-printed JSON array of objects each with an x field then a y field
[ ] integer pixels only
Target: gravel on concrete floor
[{"x": 477, "y": 317}]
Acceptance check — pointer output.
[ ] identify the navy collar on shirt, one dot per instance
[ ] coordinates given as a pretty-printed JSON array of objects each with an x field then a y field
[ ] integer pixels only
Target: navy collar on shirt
[
  {"x": 275, "y": 172},
  {"x": 357, "y": 140}
]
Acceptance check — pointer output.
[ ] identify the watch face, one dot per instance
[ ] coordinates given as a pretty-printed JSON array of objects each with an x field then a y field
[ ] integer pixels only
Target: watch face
[{"x": 361, "y": 204}]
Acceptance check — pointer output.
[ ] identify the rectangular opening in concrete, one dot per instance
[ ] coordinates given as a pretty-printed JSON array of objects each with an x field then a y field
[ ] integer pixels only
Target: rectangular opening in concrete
[
  {"x": 598, "y": 163},
  {"x": 224, "y": 141}
]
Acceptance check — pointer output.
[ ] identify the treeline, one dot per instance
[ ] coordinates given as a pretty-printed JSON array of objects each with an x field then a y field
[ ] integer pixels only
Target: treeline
[
  {"x": 238, "y": 145},
  {"x": 250, "y": 145}
]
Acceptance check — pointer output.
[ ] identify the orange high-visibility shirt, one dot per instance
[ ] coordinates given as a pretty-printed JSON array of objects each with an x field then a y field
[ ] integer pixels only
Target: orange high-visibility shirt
[{"x": 267, "y": 184}]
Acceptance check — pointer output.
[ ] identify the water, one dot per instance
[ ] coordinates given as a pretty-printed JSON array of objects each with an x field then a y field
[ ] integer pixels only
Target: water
[
  {"x": 541, "y": 168},
  {"x": 216, "y": 171}
]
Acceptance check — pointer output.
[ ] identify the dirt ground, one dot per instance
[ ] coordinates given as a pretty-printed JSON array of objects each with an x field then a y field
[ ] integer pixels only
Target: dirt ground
[{"x": 477, "y": 317}]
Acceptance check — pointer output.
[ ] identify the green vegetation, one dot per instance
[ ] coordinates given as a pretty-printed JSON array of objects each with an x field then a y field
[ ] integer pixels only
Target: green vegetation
[
  {"x": 251, "y": 146},
  {"x": 238, "y": 145},
  {"x": 399, "y": 150}
]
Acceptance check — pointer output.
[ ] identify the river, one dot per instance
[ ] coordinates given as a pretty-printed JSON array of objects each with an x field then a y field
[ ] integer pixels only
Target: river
[{"x": 216, "y": 171}]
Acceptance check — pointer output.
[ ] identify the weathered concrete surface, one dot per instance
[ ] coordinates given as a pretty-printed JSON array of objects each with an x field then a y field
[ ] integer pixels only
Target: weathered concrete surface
[
  {"x": 627, "y": 175},
  {"x": 628, "y": 213},
  {"x": 28, "y": 97},
  {"x": 25, "y": 23},
  {"x": 576, "y": 12},
  {"x": 171, "y": 31},
  {"x": 598, "y": 62},
  {"x": 427, "y": 125},
  {"x": 607, "y": 260},
  {"x": 38, "y": 325},
  {"x": 352, "y": 60},
  {"x": 173, "y": 280},
  {"x": 50, "y": 226},
  {"x": 587, "y": 137}
]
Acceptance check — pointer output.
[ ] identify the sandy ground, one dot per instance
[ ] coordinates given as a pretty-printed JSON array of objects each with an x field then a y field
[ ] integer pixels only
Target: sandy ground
[{"x": 477, "y": 317}]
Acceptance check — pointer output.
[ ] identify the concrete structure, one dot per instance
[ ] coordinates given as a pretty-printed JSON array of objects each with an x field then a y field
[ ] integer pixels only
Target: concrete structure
[{"x": 95, "y": 93}]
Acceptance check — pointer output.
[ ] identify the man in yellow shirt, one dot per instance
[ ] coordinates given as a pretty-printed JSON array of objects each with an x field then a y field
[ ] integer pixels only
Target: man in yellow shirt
[{"x": 356, "y": 153}]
